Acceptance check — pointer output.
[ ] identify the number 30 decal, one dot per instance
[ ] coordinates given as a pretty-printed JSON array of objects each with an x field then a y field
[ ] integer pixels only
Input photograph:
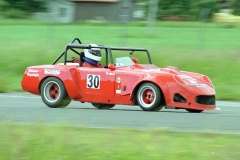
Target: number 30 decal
[{"x": 93, "y": 81}]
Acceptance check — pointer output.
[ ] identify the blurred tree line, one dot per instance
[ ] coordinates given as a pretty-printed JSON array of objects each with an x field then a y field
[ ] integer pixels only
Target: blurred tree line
[
  {"x": 192, "y": 9},
  {"x": 21, "y": 8},
  {"x": 181, "y": 10}
]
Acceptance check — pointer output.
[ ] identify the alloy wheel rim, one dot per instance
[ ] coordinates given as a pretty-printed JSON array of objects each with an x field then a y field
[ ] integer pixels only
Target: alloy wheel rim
[
  {"x": 147, "y": 96},
  {"x": 52, "y": 91}
]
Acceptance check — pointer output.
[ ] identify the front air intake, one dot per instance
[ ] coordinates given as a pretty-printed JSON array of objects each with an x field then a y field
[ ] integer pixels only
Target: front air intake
[
  {"x": 179, "y": 98},
  {"x": 209, "y": 100}
]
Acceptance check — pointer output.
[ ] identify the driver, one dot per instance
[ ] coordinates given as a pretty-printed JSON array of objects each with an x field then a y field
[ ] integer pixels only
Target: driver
[{"x": 92, "y": 57}]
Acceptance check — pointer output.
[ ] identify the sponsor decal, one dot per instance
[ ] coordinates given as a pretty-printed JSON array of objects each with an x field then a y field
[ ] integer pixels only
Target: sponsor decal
[
  {"x": 190, "y": 79},
  {"x": 193, "y": 81},
  {"x": 51, "y": 71},
  {"x": 111, "y": 74},
  {"x": 32, "y": 73},
  {"x": 199, "y": 85},
  {"x": 33, "y": 70},
  {"x": 118, "y": 91},
  {"x": 184, "y": 76},
  {"x": 118, "y": 80}
]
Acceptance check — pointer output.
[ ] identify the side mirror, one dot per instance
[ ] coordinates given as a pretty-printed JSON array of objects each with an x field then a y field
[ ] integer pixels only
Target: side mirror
[
  {"x": 135, "y": 60},
  {"x": 111, "y": 67}
]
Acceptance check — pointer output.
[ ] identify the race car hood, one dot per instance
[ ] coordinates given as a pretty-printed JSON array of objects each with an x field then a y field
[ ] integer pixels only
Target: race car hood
[{"x": 194, "y": 82}]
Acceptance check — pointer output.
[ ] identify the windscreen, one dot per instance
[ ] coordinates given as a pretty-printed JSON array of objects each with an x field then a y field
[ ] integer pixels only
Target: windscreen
[{"x": 124, "y": 61}]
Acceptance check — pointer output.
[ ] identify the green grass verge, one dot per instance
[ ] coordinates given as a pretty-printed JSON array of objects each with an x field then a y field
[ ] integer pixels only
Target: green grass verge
[
  {"x": 64, "y": 142},
  {"x": 210, "y": 49}
]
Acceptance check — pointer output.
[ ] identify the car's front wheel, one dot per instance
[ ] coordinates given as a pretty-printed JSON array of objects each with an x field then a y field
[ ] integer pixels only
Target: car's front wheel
[
  {"x": 149, "y": 97},
  {"x": 54, "y": 94},
  {"x": 103, "y": 106}
]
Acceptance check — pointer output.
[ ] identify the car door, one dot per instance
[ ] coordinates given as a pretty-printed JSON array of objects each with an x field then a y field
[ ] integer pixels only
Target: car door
[{"x": 96, "y": 84}]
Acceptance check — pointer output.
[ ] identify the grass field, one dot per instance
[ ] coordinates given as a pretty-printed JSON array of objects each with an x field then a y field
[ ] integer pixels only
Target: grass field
[
  {"x": 211, "y": 49},
  {"x": 71, "y": 143}
]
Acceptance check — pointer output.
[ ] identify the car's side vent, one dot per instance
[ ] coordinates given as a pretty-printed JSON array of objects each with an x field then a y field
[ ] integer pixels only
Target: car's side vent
[
  {"x": 209, "y": 100},
  {"x": 179, "y": 98}
]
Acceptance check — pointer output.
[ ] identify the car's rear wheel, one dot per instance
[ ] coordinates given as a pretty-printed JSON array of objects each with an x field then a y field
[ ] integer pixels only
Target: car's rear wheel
[
  {"x": 149, "y": 97},
  {"x": 103, "y": 106},
  {"x": 194, "y": 110},
  {"x": 54, "y": 94}
]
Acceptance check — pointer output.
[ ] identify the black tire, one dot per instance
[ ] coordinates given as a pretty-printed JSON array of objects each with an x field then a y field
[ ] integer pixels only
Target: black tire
[
  {"x": 149, "y": 97},
  {"x": 194, "y": 110},
  {"x": 54, "y": 94},
  {"x": 103, "y": 106}
]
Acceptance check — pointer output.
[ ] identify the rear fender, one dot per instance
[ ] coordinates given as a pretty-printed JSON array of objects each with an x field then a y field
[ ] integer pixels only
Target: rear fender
[{"x": 70, "y": 81}]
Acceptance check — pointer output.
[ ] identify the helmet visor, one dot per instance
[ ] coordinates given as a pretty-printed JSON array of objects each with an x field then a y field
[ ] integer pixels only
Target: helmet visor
[{"x": 95, "y": 52}]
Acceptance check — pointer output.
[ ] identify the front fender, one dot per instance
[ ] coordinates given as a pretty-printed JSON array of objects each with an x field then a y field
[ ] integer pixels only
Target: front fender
[{"x": 161, "y": 80}]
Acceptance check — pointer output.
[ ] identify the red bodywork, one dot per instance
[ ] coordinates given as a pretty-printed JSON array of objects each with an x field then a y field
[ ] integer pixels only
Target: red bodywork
[
  {"x": 118, "y": 81},
  {"x": 119, "y": 85}
]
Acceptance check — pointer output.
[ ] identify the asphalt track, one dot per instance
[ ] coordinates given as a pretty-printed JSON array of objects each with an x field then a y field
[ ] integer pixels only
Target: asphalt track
[{"x": 24, "y": 108}]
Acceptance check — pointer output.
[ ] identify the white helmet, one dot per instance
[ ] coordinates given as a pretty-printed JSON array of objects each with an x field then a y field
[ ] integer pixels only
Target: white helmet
[{"x": 93, "y": 53}]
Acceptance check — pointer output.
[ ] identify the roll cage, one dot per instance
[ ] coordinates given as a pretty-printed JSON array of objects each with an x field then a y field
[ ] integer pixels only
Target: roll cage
[{"x": 108, "y": 51}]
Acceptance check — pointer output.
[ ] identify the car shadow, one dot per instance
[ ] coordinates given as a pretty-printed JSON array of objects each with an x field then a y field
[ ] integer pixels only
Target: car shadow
[{"x": 181, "y": 111}]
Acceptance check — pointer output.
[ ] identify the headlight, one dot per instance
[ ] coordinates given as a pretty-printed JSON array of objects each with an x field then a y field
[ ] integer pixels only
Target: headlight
[{"x": 207, "y": 80}]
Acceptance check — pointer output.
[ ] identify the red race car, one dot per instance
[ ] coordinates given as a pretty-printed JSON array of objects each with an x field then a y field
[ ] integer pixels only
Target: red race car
[{"x": 78, "y": 75}]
